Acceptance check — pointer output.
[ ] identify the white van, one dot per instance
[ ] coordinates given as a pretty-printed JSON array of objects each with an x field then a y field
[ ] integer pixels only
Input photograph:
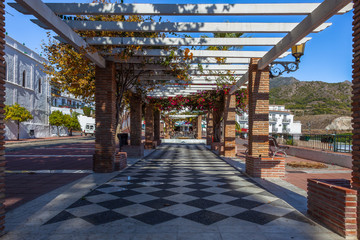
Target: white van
[{"x": 89, "y": 129}]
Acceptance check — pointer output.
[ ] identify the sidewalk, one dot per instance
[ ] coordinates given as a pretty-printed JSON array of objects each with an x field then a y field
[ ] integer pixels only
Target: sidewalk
[{"x": 29, "y": 140}]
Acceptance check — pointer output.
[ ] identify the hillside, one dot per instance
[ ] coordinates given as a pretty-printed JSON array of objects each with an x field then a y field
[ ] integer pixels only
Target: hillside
[
  {"x": 311, "y": 98},
  {"x": 282, "y": 81}
]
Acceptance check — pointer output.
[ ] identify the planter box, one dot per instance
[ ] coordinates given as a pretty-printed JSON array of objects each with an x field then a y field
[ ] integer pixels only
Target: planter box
[
  {"x": 333, "y": 203},
  {"x": 133, "y": 151},
  {"x": 218, "y": 147},
  {"x": 265, "y": 167},
  {"x": 120, "y": 161}
]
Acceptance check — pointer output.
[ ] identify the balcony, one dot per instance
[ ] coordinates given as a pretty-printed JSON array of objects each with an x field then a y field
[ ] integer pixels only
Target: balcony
[
  {"x": 243, "y": 119},
  {"x": 274, "y": 130},
  {"x": 286, "y": 120},
  {"x": 272, "y": 119},
  {"x": 286, "y": 130}
]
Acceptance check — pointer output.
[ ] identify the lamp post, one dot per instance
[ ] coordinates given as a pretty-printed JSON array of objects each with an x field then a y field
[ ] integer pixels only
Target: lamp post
[{"x": 278, "y": 68}]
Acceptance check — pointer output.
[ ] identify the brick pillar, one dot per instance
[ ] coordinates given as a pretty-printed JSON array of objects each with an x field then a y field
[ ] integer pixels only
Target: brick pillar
[
  {"x": 157, "y": 126},
  {"x": 209, "y": 128},
  {"x": 135, "y": 119},
  {"x": 149, "y": 126},
  {"x": 167, "y": 127},
  {"x": 136, "y": 147},
  {"x": 356, "y": 108},
  {"x": 105, "y": 99},
  {"x": 199, "y": 127},
  {"x": 229, "y": 125},
  {"x": 2, "y": 127},
  {"x": 258, "y": 163}
]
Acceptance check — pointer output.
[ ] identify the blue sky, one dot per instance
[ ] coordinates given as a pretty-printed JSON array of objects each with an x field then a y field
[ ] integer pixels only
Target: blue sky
[{"x": 328, "y": 56}]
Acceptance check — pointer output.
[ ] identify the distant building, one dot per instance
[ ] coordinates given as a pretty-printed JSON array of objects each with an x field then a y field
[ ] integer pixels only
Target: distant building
[
  {"x": 280, "y": 121},
  {"x": 68, "y": 103},
  {"x": 67, "y": 100},
  {"x": 27, "y": 85}
]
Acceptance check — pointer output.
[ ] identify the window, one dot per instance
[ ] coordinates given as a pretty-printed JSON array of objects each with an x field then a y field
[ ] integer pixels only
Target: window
[
  {"x": 40, "y": 85},
  {"x": 24, "y": 79},
  {"x": 5, "y": 65}
]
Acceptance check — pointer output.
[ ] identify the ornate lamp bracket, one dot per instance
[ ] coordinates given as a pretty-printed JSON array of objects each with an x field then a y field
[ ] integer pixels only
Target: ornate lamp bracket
[{"x": 278, "y": 68}]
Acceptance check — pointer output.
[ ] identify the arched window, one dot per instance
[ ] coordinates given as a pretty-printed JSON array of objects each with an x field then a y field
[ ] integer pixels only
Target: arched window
[
  {"x": 24, "y": 79},
  {"x": 40, "y": 85}
]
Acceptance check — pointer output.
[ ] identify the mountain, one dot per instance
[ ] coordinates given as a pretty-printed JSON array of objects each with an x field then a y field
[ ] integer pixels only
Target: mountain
[
  {"x": 282, "y": 81},
  {"x": 311, "y": 98}
]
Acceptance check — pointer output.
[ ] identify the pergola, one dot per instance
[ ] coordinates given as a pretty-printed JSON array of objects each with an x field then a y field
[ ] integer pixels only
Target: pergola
[{"x": 251, "y": 68}]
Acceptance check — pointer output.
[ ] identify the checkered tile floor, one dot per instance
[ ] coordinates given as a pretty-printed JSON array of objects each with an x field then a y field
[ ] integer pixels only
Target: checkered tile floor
[{"x": 179, "y": 181}]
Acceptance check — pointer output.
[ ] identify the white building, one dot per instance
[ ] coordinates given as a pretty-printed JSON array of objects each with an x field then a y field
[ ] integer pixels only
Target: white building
[
  {"x": 67, "y": 100},
  {"x": 68, "y": 103},
  {"x": 280, "y": 121},
  {"x": 27, "y": 85}
]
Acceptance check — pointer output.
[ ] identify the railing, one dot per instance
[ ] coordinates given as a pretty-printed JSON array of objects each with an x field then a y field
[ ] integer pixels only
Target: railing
[
  {"x": 274, "y": 130},
  {"x": 326, "y": 142},
  {"x": 243, "y": 119},
  {"x": 272, "y": 119},
  {"x": 286, "y": 120}
]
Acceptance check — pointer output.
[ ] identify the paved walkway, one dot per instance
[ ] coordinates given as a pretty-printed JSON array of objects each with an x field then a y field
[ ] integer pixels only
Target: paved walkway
[{"x": 178, "y": 192}]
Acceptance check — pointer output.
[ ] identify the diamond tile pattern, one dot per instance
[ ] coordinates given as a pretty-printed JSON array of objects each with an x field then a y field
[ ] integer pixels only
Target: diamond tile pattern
[{"x": 179, "y": 182}]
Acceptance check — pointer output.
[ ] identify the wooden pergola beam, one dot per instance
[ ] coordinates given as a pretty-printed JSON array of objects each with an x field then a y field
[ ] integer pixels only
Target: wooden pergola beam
[
  {"x": 323, "y": 12},
  {"x": 47, "y": 16},
  {"x": 238, "y": 42},
  {"x": 198, "y": 53},
  {"x": 180, "y": 9},
  {"x": 190, "y": 27}
]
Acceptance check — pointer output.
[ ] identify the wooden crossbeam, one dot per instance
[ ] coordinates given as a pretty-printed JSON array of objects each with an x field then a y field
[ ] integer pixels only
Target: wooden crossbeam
[
  {"x": 180, "y": 9},
  {"x": 47, "y": 16}
]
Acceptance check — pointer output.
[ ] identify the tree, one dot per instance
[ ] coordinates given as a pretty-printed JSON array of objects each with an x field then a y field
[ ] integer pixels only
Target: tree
[
  {"x": 76, "y": 74},
  {"x": 56, "y": 118},
  {"x": 18, "y": 114},
  {"x": 87, "y": 111},
  {"x": 71, "y": 122}
]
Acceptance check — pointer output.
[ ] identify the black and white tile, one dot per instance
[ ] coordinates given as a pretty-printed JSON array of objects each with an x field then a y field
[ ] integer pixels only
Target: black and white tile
[{"x": 185, "y": 182}]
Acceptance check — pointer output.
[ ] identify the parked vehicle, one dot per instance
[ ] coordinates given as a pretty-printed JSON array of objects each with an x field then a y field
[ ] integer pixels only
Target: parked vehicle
[{"x": 89, "y": 129}]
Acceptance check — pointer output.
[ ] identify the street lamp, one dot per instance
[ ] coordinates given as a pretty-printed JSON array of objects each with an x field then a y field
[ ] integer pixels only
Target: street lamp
[
  {"x": 278, "y": 68},
  {"x": 297, "y": 51}
]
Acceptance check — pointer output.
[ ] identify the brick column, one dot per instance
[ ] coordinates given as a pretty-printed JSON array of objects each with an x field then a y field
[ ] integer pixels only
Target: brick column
[
  {"x": 356, "y": 108},
  {"x": 136, "y": 147},
  {"x": 209, "y": 128},
  {"x": 157, "y": 127},
  {"x": 105, "y": 99},
  {"x": 229, "y": 125},
  {"x": 167, "y": 127},
  {"x": 149, "y": 126},
  {"x": 199, "y": 127},
  {"x": 258, "y": 163},
  {"x": 135, "y": 119},
  {"x": 2, "y": 127}
]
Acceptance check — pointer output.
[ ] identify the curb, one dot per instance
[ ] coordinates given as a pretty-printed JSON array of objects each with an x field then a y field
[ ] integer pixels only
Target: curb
[{"x": 43, "y": 140}]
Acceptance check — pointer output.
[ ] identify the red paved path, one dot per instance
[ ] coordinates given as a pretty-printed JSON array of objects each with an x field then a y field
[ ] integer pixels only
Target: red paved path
[{"x": 21, "y": 188}]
